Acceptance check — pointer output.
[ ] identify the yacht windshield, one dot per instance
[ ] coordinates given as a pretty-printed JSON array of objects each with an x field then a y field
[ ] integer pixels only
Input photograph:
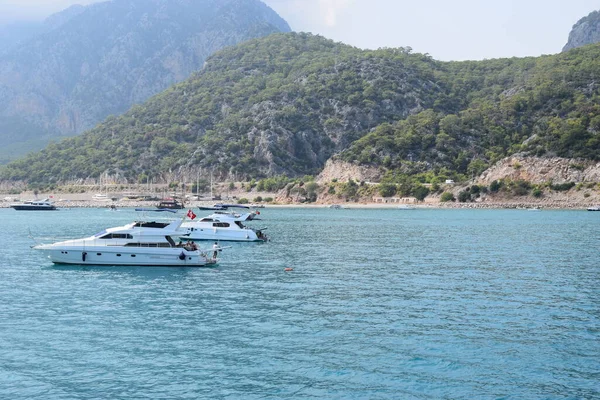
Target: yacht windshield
[
  {"x": 100, "y": 233},
  {"x": 151, "y": 224}
]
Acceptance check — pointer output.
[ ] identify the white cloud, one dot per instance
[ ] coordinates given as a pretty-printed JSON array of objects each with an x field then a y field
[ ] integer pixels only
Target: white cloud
[
  {"x": 324, "y": 13},
  {"x": 330, "y": 10}
]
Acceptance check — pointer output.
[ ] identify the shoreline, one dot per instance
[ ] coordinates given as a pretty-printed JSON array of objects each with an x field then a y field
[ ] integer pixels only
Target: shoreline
[{"x": 551, "y": 205}]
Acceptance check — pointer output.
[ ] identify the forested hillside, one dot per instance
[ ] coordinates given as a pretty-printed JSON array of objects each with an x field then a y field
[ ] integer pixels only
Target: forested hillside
[
  {"x": 287, "y": 103},
  {"x": 279, "y": 105},
  {"x": 87, "y": 63},
  {"x": 546, "y": 106}
]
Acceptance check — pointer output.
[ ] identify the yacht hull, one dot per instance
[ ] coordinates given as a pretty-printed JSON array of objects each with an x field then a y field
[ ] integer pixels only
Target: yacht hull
[{"x": 33, "y": 208}]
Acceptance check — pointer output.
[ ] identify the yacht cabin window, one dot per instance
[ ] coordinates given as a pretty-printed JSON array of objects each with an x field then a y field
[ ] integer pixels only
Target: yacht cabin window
[{"x": 117, "y": 236}]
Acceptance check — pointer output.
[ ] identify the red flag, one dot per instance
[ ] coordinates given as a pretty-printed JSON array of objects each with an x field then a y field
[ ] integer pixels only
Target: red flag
[{"x": 191, "y": 215}]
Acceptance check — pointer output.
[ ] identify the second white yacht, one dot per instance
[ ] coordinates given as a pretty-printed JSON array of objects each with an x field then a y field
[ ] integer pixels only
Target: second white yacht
[{"x": 222, "y": 227}]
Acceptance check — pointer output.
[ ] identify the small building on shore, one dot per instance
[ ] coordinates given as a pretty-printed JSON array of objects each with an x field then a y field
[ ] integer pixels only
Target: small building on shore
[{"x": 394, "y": 200}]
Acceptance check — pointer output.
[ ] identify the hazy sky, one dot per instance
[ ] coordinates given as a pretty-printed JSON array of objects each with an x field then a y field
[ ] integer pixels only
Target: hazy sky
[{"x": 446, "y": 29}]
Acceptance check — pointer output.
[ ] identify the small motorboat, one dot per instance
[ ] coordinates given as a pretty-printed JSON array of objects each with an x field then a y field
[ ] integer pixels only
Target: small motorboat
[
  {"x": 170, "y": 204},
  {"x": 597, "y": 208}
]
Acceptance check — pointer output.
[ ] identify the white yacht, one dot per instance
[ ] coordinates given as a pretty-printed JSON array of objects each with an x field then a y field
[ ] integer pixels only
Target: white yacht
[
  {"x": 135, "y": 244},
  {"x": 222, "y": 227},
  {"x": 34, "y": 205}
]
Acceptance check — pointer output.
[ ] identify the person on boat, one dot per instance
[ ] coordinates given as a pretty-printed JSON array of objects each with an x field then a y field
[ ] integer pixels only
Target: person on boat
[
  {"x": 215, "y": 250},
  {"x": 190, "y": 246}
]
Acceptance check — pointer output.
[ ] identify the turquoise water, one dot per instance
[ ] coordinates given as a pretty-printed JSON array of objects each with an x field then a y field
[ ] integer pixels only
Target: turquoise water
[{"x": 390, "y": 304}]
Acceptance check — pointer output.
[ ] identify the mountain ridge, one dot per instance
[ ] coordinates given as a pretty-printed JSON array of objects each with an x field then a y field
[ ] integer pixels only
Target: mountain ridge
[{"x": 101, "y": 59}]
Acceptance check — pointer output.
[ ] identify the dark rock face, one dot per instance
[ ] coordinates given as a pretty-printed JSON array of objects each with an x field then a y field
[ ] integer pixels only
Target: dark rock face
[
  {"x": 91, "y": 62},
  {"x": 585, "y": 31}
]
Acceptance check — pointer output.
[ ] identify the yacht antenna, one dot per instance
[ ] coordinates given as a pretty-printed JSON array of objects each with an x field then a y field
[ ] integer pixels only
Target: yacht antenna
[{"x": 30, "y": 236}]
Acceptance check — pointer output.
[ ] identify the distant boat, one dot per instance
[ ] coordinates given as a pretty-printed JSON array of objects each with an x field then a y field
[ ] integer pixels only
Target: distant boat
[
  {"x": 406, "y": 207},
  {"x": 534, "y": 209},
  {"x": 101, "y": 197},
  {"x": 597, "y": 208},
  {"x": 337, "y": 206},
  {"x": 170, "y": 204},
  {"x": 34, "y": 205}
]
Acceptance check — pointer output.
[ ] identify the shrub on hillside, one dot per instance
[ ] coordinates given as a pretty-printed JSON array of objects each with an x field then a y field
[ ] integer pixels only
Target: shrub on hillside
[
  {"x": 464, "y": 196},
  {"x": 562, "y": 187},
  {"x": 447, "y": 196},
  {"x": 521, "y": 188},
  {"x": 495, "y": 186}
]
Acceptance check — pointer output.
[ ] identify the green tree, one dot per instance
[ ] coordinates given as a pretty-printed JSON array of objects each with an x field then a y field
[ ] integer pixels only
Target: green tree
[
  {"x": 420, "y": 192},
  {"x": 387, "y": 189}
]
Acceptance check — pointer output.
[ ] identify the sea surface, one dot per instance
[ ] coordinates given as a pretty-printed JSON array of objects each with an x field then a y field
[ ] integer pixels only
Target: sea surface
[{"x": 381, "y": 304}]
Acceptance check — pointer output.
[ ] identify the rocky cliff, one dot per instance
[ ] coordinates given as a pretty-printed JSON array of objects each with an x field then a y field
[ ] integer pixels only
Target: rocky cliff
[
  {"x": 585, "y": 31},
  {"x": 541, "y": 170},
  {"x": 344, "y": 171},
  {"x": 94, "y": 61}
]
